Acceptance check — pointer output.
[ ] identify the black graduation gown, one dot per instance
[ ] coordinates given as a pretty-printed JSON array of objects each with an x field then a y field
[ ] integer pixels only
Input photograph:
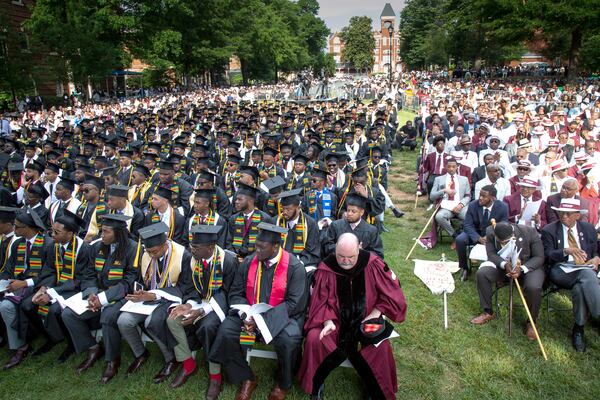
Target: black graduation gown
[
  {"x": 311, "y": 255},
  {"x": 224, "y": 207},
  {"x": 223, "y": 235},
  {"x": 318, "y": 214},
  {"x": 179, "y": 231},
  {"x": 246, "y": 247},
  {"x": 283, "y": 324},
  {"x": 202, "y": 333},
  {"x": 367, "y": 234},
  {"x": 43, "y": 213},
  {"x": 375, "y": 202}
]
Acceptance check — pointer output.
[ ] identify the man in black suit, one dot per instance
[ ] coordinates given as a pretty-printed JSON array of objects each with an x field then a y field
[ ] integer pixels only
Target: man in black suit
[
  {"x": 568, "y": 190},
  {"x": 570, "y": 244},
  {"x": 529, "y": 269},
  {"x": 479, "y": 214},
  {"x": 480, "y": 173}
]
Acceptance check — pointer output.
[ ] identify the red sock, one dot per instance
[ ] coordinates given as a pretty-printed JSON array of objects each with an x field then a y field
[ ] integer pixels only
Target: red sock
[
  {"x": 189, "y": 365},
  {"x": 215, "y": 377}
]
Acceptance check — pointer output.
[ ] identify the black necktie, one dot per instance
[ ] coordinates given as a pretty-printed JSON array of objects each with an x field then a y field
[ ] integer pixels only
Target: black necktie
[{"x": 486, "y": 219}]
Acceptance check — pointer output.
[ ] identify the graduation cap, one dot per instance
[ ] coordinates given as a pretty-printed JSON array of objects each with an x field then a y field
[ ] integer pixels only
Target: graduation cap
[
  {"x": 154, "y": 235},
  {"x": 36, "y": 165},
  {"x": 115, "y": 220},
  {"x": 331, "y": 157},
  {"x": 249, "y": 170},
  {"x": 356, "y": 200},
  {"x": 85, "y": 168},
  {"x": 234, "y": 158},
  {"x": 30, "y": 218},
  {"x": 32, "y": 144},
  {"x": 270, "y": 233},
  {"x": 275, "y": 183},
  {"x": 167, "y": 165},
  {"x": 207, "y": 175},
  {"x": 71, "y": 221},
  {"x": 142, "y": 169},
  {"x": 109, "y": 171},
  {"x": 180, "y": 145},
  {"x": 53, "y": 167},
  {"x": 164, "y": 193},
  {"x": 270, "y": 151},
  {"x": 205, "y": 193},
  {"x": 126, "y": 153},
  {"x": 247, "y": 191},
  {"x": 66, "y": 183},
  {"x": 291, "y": 197},
  {"x": 234, "y": 145},
  {"x": 15, "y": 167},
  {"x": 118, "y": 191},
  {"x": 301, "y": 158},
  {"x": 38, "y": 190},
  {"x": 7, "y": 214},
  {"x": 205, "y": 234},
  {"x": 155, "y": 146},
  {"x": 319, "y": 173},
  {"x": 94, "y": 180}
]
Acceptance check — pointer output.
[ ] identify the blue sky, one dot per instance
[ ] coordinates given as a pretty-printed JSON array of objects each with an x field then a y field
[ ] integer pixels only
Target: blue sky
[{"x": 337, "y": 13}]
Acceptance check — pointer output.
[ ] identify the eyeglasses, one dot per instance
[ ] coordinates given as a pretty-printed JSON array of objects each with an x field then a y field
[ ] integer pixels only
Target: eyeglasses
[{"x": 522, "y": 168}]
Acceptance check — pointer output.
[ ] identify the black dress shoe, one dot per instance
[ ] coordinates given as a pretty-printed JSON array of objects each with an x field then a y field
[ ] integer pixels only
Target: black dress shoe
[
  {"x": 94, "y": 354},
  {"x": 66, "y": 354},
  {"x": 464, "y": 275},
  {"x": 579, "y": 341},
  {"x": 166, "y": 371},
  {"x": 17, "y": 357},
  {"x": 49, "y": 345},
  {"x": 138, "y": 362},
  {"x": 112, "y": 367},
  {"x": 397, "y": 213}
]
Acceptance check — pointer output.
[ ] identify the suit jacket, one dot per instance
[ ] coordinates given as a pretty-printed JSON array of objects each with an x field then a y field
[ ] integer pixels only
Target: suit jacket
[
  {"x": 367, "y": 234},
  {"x": 124, "y": 177},
  {"x": 430, "y": 160},
  {"x": 514, "y": 208},
  {"x": 472, "y": 225},
  {"x": 527, "y": 240},
  {"x": 40, "y": 277},
  {"x": 554, "y": 201},
  {"x": 554, "y": 241},
  {"x": 464, "y": 190}
]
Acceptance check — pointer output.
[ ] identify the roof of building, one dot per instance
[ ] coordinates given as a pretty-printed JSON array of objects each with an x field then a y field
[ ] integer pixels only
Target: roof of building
[{"x": 388, "y": 11}]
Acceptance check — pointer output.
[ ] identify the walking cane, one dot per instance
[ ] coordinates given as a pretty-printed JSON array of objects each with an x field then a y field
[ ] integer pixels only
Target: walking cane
[
  {"x": 510, "y": 306},
  {"x": 537, "y": 335},
  {"x": 422, "y": 232}
]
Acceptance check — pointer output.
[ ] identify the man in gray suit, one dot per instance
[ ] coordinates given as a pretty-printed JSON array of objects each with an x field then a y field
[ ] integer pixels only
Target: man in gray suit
[
  {"x": 530, "y": 269},
  {"x": 454, "y": 192}
]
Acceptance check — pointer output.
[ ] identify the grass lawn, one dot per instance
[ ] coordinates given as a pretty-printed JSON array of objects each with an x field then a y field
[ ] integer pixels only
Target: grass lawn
[{"x": 463, "y": 362}]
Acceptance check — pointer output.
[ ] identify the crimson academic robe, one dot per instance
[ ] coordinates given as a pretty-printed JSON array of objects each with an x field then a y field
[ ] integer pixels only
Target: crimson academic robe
[{"x": 381, "y": 290}]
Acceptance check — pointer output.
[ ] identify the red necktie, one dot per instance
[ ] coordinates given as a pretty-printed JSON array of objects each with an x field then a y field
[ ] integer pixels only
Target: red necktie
[
  {"x": 437, "y": 165},
  {"x": 452, "y": 186},
  {"x": 247, "y": 224}
]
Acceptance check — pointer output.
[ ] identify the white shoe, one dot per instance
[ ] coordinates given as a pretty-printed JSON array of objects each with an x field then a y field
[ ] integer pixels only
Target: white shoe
[
  {"x": 430, "y": 207},
  {"x": 419, "y": 193}
]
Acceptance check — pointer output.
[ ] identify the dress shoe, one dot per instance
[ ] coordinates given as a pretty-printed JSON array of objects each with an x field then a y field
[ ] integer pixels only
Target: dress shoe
[
  {"x": 579, "y": 341},
  {"x": 464, "y": 275},
  {"x": 16, "y": 358},
  {"x": 46, "y": 347},
  {"x": 166, "y": 371},
  {"x": 383, "y": 228},
  {"x": 112, "y": 367},
  {"x": 482, "y": 319},
  {"x": 397, "y": 213},
  {"x": 138, "y": 362},
  {"x": 182, "y": 377},
  {"x": 245, "y": 390},
  {"x": 66, "y": 354},
  {"x": 277, "y": 393},
  {"x": 214, "y": 389},
  {"x": 529, "y": 332},
  {"x": 94, "y": 354}
]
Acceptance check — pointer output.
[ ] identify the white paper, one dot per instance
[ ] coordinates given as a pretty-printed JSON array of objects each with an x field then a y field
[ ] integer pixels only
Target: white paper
[
  {"x": 139, "y": 307},
  {"x": 531, "y": 208},
  {"x": 321, "y": 223},
  {"x": 394, "y": 334},
  {"x": 436, "y": 275},
  {"x": 166, "y": 296},
  {"x": 251, "y": 310},
  {"x": 478, "y": 252},
  {"x": 3, "y": 285},
  {"x": 76, "y": 303},
  {"x": 449, "y": 204},
  {"x": 568, "y": 268}
]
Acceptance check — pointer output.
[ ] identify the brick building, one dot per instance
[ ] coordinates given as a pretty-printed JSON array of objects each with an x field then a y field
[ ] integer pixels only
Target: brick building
[{"x": 386, "y": 51}]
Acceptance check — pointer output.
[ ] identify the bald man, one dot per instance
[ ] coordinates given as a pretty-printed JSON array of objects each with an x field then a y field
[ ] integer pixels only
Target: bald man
[{"x": 334, "y": 330}]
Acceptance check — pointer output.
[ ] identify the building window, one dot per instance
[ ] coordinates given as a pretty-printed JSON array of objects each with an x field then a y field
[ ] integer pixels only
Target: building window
[
  {"x": 24, "y": 41},
  {"x": 385, "y": 41}
]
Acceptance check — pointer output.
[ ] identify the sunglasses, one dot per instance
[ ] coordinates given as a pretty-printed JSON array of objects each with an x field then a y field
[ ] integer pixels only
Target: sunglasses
[
  {"x": 332, "y": 165},
  {"x": 523, "y": 168}
]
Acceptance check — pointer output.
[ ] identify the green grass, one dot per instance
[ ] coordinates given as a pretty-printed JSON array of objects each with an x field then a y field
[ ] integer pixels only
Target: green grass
[{"x": 463, "y": 362}]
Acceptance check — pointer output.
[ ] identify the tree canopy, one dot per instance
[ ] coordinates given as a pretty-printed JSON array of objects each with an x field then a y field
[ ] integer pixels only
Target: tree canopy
[{"x": 358, "y": 43}]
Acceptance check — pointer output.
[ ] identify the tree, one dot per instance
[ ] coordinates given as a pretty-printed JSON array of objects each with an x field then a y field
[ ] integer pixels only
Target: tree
[
  {"x": 87, "y": 37},
  {"x": 358, "y": 43}
]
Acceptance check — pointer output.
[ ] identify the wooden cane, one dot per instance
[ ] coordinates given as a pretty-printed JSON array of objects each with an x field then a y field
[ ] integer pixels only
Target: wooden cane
[
  {"x": 416, "y": 200},
  {"x": 537, "y": 335},
  {"x": 422, "y": 232},
  {"x": 510, "y": 306}
]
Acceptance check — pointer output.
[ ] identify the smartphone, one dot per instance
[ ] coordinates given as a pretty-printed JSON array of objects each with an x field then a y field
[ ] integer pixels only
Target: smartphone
[{"x": 137, "y": 286}]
